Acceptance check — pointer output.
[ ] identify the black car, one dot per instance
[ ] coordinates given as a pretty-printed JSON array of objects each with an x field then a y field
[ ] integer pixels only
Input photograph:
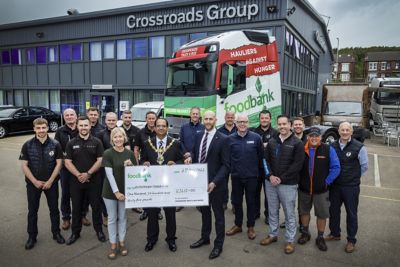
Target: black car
[{"x": 20, "y": 119}]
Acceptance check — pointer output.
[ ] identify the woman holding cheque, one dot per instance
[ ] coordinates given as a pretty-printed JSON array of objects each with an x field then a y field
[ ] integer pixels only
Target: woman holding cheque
[{"x": 114, "y": 161}]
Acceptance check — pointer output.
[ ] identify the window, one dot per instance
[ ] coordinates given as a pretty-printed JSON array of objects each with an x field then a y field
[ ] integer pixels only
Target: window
[
  {"x": 55, "y": 100},
  {"x": 108, "y": 50},
  {"x": 30, "y": 55},
  {"x": 41, "y": 55},
  {"x": 124, "y": 49},
  {"x": 383, "y": 65},
  {"x": 388, "y": 65},
  {"x": 178, "y": 41},
  {"x": 335, "y": 67},
  {"x": 64, "y": 53},
  {"x": 345, "y": 67},
  {"x": 72, "y": 99},
  {"x": 95, "y": 51},
  {"x": 197, "y": 35},
  {"x": 140, "y": 47},
  {"x": 52, "y": 53},
  {"x": 345, "y": 77},
  {"x": 372, "y": 65},
  {"x": 397, "y": 66},
  {"x": 39, "y": 98},
  {"x": 5, "y": 57},
  {"x": 16, "y": 56},
  {"x": 76, "y": 52},
  {"x": 157, "y": 45},
  {"x": 18, "y": 97}
]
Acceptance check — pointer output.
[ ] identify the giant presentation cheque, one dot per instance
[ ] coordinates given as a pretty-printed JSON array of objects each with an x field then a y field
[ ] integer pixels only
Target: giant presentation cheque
[{"x": 166, "y": 186}]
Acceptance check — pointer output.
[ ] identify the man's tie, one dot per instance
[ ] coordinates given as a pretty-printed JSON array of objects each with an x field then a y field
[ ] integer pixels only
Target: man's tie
[
  {"x": 160, "y": 146},
  {"x": 204, "y": 149}
]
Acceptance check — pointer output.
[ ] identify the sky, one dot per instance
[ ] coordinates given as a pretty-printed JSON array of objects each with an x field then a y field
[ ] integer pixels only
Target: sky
[{"x": 357, "y": 23}]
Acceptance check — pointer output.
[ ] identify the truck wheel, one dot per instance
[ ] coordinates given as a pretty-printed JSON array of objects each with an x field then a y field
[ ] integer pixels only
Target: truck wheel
[
  {"x": 330, "y": 138},
  {"x": 3, "y": 131}
]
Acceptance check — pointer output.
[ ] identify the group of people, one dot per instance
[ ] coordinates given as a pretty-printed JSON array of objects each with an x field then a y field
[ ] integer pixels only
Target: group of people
[{"x": 286, "y": 163}]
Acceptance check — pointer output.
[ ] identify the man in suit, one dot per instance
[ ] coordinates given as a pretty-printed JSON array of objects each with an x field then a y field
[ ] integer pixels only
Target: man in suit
[
  {"x": 210, "y": 148},
  {"x": 162, "y": 150}
]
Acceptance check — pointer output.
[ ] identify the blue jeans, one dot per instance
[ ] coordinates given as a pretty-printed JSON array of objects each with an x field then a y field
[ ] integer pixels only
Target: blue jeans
[
  {"x": 116, "y": 220},
  {"x": 285, "y": 195}
]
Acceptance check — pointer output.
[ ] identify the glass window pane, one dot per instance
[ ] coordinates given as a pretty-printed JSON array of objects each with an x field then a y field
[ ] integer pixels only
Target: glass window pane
[
  {"x": 18, "y": 97},
  {"x": 5, "y": 57},
  {"x": 157, "y": 46},
  {"x": 140, "y": 48},
  {"x": 76, "y": 52},
  {"x": 198, "y": 35},
  {"x": 64, "y": 53},
  {"x": 72, "y": 99},
  {"x": 52, "y": 54},
  {"x": 39, "y": 98},
  {"x": 30, "y": 56},
  {"x": 178, "y": 41},
  {"x": 124, "y": 49},
  {"x": 41, "y": 55},
  {"x": 95, "y": 51},
  {"x": 16, "y": 56},
  {"x": 108, "y": 50},
  {"x": 55, "y": 100}
]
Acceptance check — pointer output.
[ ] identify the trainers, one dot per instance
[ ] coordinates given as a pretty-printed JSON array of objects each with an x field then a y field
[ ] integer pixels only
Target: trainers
[
  {"x": 304, "y": 238},
  {"x": 332, "y": 238},
  {"x": 289, "y": 248},
  {"x": 350, "y": 247},
  {"x": 85, "y": 221},
  {"x": 320, "y": 242},
  {"x": 268, "y": 240}
]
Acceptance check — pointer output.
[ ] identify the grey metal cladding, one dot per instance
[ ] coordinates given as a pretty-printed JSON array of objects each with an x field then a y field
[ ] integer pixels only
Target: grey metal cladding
[
  {"x": 43, "y": 75},
  {"x": 109, "y": 72},
  {"x": 59, "y": 29},
  {"x": 65, "y": 74},
  {"x": 96, "y": 73},
  {"x": 78, "y": 73},
  {"x": 124, "y": 72},
  {"x": 7, "y": 76},
  {"x": 31, "y": 75},
  {"x": 157, "y": 72},
  {"x": 54, "y": 74},
  {"x": 17, "y": 75},
  {"x": 141, "y": 72}
]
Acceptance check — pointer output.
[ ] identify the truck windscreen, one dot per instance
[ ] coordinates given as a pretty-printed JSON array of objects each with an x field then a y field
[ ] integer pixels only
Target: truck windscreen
[
  {"x": 191, "y": 78},
  {"x": 343, "y": 108}
]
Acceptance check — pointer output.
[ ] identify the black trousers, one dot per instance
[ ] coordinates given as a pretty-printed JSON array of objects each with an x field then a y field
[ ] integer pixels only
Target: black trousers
[
  {"x": 216, "y": 199},
  {"x": 248, "y": 187},
  {"x": 261, "y": 185},
  {"x": 153, "y": 228},
  {"x": 66, "y": 176},
  {"x": 93, "y": 191},
  {"x": 349, "y": 196},
  {"x": 33, "y": 207}
]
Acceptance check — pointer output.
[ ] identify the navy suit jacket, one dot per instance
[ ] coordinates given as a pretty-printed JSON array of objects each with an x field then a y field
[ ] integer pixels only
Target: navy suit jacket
[{"x": 217, "y": 159}]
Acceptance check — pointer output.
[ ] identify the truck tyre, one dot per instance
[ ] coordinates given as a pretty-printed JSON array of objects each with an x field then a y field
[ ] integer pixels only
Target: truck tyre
[{"x": 330, "y": 137}]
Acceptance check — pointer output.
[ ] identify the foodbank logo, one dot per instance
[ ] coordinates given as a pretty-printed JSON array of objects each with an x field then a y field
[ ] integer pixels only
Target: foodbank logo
[
  {"x": 252, "y": 101},
  {"x": 139, "y": 175}
]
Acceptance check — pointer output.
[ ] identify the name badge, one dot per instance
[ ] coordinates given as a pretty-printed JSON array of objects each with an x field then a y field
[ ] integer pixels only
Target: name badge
[{"x": 250, "y": 142}]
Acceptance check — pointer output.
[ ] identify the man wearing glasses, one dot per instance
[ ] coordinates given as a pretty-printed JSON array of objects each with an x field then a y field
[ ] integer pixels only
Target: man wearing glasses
[{"x": 246, "y": 153}]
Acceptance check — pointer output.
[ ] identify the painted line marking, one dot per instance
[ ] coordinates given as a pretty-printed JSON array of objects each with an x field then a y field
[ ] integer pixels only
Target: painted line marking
[
  {"x": 385, "y": 188},
  {"x": 385, "y": 155},
  {"x": 376, "y": 171},
  {"x": 381, "y": 198}
]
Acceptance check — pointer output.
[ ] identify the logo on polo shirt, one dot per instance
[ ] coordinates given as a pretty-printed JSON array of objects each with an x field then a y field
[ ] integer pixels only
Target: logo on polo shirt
[
  {"x": 75, "y": 147},
  {"x": 51, "y": 153},
  {"x": 348, "y": 154},
  {"x": 250, "y": 142}
]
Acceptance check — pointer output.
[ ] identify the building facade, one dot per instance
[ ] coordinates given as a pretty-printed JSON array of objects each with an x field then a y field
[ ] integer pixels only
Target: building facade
[
  {"x": 103, "y": 58},
  {"x": 344, "y": 68},
  {"x": 381, "y": 65}
]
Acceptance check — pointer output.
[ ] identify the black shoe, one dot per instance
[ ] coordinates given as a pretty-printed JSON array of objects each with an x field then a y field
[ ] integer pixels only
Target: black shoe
[
  {"x": 160, "y": 216},
  {"x": 215, "y": 253},
  {"x": 101, "y": 237},
  {"x": 198, "y": 208},
  {"x": 304, "y": 238},
  {"x": 137, "y": 210},
  {"x": 282, "y": 225},
  {"x": 30, "y": 243},
  {"x": 225, "y": 206},
  {"x": 172, "y": 246},
  {"x": 178, "y": 209},
  {"x": 257, "y": 216},
  {"x": 320, "y": 242},
  {"x": 143, "y": 216},
  {"x": 72, "y": 239},
  {"x": 199, "y": 243},
  {"x": 266, "y": 220},
  {"x": 149, "y": 246},
  {"x": 59, "y": 238}
]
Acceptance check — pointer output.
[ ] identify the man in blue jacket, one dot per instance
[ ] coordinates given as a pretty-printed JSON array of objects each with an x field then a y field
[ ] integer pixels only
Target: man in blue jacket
[
  {"x": 245, "y": 153},
  {"x": 320, "y": 169},
  {"x": 210, "y": 148}
]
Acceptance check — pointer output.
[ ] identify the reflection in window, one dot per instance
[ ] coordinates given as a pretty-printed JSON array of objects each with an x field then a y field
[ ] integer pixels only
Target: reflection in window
[
  {"x": 157, "y": 45},
  {"x": 16, "y": 56},
  {"x": 140, "y": 48},
  {"x": 64, "y": 53},
  {"x": 178, "y": 41},
  {"x": 39, "y": 98},
  {"x": 124, "y": 49},
  {"x": 5, "y": 57},
  {"x": 95, "y": 51},
  {"x": 76, "y": 52},
  {"x": 108, "y": 50},
  {"x": 52, "y": 52},
  {"x": 198, "y": 35},
  {"x": 30, "y": 55},
  {"x": 41, "y": 55}
]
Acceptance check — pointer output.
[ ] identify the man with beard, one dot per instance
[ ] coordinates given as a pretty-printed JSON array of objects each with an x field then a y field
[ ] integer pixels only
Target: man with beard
[
  {"x": 41, "y": 161},
  {"x": 83, "y": 160},
  {"x": 93, "y": 114},
  {"x": 210, "y": 148},
  {"x": 162, "y": 150}
]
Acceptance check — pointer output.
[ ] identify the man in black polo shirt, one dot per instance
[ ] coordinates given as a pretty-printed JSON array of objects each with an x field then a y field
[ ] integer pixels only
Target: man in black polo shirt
[
  {"x": 143, "y": 135},
  {"x": 41, "y": 161},
  {"x": 93, "y": 114},
  {"x": 83, "y": 160},
  {"x": 266, "y": 132},
  {"x": 130, "y": 130}
]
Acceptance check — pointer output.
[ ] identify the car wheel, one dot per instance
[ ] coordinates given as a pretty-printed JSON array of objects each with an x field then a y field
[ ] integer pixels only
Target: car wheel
[
  {"x": 331, "y": 137},
  {"x": 3, "y": 131},
  {"x": 53, "y": 126}
]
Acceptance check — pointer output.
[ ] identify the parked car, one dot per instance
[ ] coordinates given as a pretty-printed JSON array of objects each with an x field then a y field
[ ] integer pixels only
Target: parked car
[{"x": 20, "y": 119}]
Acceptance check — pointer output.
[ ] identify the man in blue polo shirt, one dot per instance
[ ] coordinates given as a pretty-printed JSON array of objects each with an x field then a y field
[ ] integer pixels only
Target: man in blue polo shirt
[{"x": 246, "y": 153}]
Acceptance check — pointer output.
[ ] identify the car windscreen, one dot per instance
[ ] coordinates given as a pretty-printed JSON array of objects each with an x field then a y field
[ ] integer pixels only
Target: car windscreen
[
  {"x": 139, "y": 114},
  {"x": 4, "y": 113},
  {"x": 343, "y": 108}
]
